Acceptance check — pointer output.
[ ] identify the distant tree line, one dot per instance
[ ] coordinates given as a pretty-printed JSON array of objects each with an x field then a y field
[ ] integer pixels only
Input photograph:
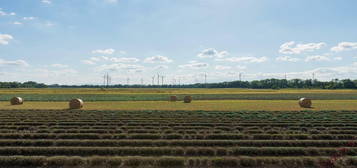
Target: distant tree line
[
  {"x": 256, "y": 84},
  {"x": 29, "y": 84}
]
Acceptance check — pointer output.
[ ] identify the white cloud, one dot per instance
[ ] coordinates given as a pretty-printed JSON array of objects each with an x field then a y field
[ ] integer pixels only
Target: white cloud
[
  {"x": 126, "y": 60},
  {"x": 241, "y": 67},
  {"x": 288, "y": 47},
  {"x": 5, "y": 38},
  {"x": 194, "y": 65},
  {"x": 2, "y": 13},
  {"x": 119, "y": 66},
  {"x": 222, "y": 67},
  {"x": 322, "y": 73},
  {"x": 212, "y": 53},
  {"x": 158, "y": 59},
  {"x": 88, "y": 62},
  {"x": 105, "y": 51},
  {"x": 47, "y": 73},
  {"x": 94, "y": 60},
  {"x": 287, "y": 59},
  {"x": 344, "y": 46},
  {"x": 29, "y": 18},
  {"x": 13, "y": 63},
  {"x": 317, "y": 58},
  {"x": 245, "y": 59},
  {"x": 59, "y": 66},
  {"x": 46, "y": 1},
  {"x": 120, "y": 59},
  {"x": 17, "y": 23},
  {"x": 337, "y": 58}
]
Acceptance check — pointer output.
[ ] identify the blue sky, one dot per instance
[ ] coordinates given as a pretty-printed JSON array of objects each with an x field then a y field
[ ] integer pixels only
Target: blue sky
[{"x": 78, "y": 41}]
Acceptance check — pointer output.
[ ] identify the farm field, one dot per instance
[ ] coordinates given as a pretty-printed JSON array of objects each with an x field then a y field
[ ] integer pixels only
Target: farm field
[
  {"x": 140, "y": 128},
  {"x": 166, "y": 91},
  {"x": 91, "y": 138},
  {"x": 163, "y": 94},
  {"x": 200, "y": 105}
]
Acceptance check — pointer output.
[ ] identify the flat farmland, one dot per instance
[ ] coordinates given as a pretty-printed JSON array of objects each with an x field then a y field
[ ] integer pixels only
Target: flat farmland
[
  {"x": 163, "y": 94},
  {"x": 90, "y": 138},
  {"x": 166, "y": 91},
  {"x": 204, "y": 105},
  {"x": 226, "y": 128}
]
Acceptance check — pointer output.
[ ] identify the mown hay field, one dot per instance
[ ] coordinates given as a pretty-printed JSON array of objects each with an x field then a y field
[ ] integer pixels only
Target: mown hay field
[
  {"x": 204, "y": 105},
  {"x": 164, "y": 94},
  {"x": 164, "y": 97},
  {"x": 226, "y": 128},
  {"x": 286, "y": 139}
]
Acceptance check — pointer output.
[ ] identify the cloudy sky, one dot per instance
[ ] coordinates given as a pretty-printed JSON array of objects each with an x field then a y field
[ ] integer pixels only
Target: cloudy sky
[{"x": 78, "y": 41}]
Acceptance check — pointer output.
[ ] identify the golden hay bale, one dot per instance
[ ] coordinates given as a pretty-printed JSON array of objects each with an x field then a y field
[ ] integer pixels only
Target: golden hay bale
[
  {"x": 305, "y": 103},
  {"x": 17, "y": 101},
  {"x": 76, "y": 104},
  {"x": 187, "y": 99},
  {"x": 173, "y": 98}
]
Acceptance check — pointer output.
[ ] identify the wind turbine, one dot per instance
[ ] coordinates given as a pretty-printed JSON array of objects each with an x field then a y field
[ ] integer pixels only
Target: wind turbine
[
  {"x": 162, "y": 80},
  {"x": 158, "y": 79},
  {"x": 205, "y": 78},
  {"x": 153, "y": 80}
]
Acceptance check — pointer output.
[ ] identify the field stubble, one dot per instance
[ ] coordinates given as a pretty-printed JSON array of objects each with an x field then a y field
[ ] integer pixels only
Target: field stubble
[{"x": 205, "y": 105}]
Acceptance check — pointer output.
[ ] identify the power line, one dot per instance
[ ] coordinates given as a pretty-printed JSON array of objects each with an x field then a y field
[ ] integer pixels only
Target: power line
[{"x": 106, "y": 80}]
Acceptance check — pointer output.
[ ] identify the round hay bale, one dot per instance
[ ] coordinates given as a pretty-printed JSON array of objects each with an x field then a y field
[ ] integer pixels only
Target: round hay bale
[
  {"x": 17, "y": 101},
  {"x": 187, "y": 99},
  {"x": 305, "y": 103},
  {"x": 173, "y": 98},
  {"x": 76, "y": 104}
]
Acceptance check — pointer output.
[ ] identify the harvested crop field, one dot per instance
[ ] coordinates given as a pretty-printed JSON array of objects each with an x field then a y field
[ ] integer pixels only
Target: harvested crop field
[
  {"x": 83, "y": 138},
  {"x": 138, "y": 94},
  {"x": 201, "y": 105}
]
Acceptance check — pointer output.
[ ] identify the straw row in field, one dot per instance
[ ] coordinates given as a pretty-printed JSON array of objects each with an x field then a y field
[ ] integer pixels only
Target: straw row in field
[
  {"x": 176, "y": 143},
  {"x": 172, "y": 162},
  {"x": 176, "y": 151},
  {"x": 175, "y": 136}
]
